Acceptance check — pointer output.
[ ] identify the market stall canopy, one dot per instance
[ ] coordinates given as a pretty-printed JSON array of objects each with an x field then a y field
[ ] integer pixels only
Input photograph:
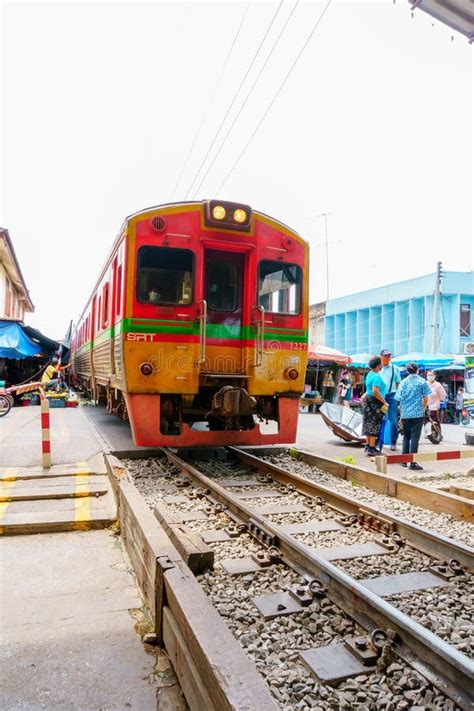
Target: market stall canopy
[
  {"x": 425, "y": 361},
  {"x": 47, "y": 345},
  {"x": 360, "y": 360},
  {"x": 15, "y": 343},
  {"x": 328, "y": 355}
]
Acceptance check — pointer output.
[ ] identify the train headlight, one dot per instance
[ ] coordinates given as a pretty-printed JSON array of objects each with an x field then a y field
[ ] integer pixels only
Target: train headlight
[
  {"x": 146, "y": 369},
  {"x": 218, "y": 212},
  {"x": 223, "y": 215},
  {"x": 240, "y": 215}
]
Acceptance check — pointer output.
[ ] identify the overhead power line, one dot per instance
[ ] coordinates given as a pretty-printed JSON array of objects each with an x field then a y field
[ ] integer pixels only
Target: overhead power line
[
  {"x": 247, "y": 97},
  {"x": 243, "y": 151},
  {"x": 213, "y": 96},
  {"x": 229, "y": 108}
]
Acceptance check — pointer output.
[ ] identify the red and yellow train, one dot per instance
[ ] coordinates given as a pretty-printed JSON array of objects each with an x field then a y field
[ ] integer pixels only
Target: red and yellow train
[{"x": 196, "y": 330}]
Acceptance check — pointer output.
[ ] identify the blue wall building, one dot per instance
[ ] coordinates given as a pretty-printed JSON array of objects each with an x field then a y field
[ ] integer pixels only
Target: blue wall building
[{"x": 399, "y": 316}]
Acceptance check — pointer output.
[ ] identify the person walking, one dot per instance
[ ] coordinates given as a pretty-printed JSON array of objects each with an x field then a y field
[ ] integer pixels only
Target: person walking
[
  {"x": 345, "y": 389},
  {"x": 374, "y": 405},
  {"x": 390, "y": 374},
  {"x": 459, "y": 404},
  {"x": 438, "y": 395},
  {"x": 413, "y": 395}
]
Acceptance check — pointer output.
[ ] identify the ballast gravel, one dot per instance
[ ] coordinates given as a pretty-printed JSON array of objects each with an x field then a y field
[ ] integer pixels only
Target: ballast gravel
[
  {"x": 442, "y": 523},
  {"x": 274, "y": 645}
]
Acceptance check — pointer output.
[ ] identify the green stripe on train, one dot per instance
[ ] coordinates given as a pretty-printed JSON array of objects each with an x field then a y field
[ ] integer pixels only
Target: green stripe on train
[{"x": 213, "y": 330}]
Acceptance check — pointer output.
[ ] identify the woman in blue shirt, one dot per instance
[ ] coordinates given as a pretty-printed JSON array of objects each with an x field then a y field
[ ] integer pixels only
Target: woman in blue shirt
[
  {"x": 374, "y": 407},
  {"x": 413, "y": 395}
]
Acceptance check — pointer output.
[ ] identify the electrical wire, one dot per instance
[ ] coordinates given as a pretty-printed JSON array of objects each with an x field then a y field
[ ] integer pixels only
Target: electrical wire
[
  {"x": 229, "y": 108},
  {"x": 247, "y": 97},
  {"x": 213, "y": 96},
  {"x": 244, "y": 150}
]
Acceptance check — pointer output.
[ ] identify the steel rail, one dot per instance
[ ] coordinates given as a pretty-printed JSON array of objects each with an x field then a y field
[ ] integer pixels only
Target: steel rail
[
  {"x": 444, "y": 666},
  {"x": 425, "y": 540}
]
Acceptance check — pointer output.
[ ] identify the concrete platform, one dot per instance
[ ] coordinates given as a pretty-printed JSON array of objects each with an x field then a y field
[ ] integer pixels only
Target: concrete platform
[
  {"x": 68, "y": 605},
  {"x": 72, "y": 440},
  {"x": 74, "y": 494}
]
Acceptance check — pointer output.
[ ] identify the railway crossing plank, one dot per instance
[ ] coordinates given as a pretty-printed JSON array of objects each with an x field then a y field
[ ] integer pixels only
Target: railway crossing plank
[
  {"x": 50, "y": 521},
  {"x": 59, "y": 491}
]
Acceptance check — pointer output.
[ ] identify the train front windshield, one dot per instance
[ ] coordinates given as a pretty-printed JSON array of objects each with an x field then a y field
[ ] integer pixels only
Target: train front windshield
[
  {"x": 165, "y": 275},
  {"x": 279, "y": 287}
]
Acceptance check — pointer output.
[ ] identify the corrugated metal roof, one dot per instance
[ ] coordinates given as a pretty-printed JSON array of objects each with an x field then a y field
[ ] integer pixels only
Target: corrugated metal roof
[{"x": 457, "y": 14}]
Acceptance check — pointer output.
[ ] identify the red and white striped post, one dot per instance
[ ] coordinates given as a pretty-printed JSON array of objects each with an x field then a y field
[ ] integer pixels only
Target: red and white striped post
[
  {"x": 45, "y": 431},
  {"x": 382, "y": 461}
]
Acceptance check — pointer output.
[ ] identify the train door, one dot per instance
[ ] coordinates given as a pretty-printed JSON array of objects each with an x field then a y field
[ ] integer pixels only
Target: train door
[{"x": 223, "y": 294}]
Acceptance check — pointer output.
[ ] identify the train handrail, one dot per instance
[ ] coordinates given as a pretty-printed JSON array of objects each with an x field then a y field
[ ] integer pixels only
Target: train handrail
[
  {"x": 202, "y": 332},
  {"x": 259, "y": 337}
]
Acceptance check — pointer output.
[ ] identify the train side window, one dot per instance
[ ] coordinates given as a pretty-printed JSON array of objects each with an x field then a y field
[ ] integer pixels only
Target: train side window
[
  {"x": 105, "y": 300},
  {"x": 279, "y": 287},
  {"x": 118, "y": 293},
  {"x": 165, "y": 275},
  {"x": 99, "y": 313},
  {"x": 222, "y": 287}
]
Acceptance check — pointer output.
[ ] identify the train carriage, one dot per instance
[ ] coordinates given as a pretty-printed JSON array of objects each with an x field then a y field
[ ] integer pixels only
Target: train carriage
[{"x": 196, "y": 330}]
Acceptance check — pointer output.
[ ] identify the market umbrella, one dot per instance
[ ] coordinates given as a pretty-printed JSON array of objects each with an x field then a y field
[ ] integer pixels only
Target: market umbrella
[
  {"x": 426, "y": 361},
  {"x": 360, "y": 360},
  {"x": 328, "y": 355}
]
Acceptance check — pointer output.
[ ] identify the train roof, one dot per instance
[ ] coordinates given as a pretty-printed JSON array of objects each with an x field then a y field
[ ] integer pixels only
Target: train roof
[{"x": 199, "y": 203}]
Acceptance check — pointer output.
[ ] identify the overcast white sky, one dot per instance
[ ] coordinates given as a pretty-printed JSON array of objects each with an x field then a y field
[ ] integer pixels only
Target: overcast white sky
[{"x": 101, "y": 103}]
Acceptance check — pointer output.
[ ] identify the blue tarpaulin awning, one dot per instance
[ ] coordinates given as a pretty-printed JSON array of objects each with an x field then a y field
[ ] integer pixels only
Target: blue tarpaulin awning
[{"x": 14, "y": 343}]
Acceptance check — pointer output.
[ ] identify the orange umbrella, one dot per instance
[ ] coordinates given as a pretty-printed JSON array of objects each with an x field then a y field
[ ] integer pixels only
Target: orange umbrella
[{"x": 323, "y": 353}]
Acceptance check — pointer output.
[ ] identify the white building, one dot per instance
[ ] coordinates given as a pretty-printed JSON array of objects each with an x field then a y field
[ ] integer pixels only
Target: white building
[
  {"x": 15, "y": 300},
  {"x": 317, "y": 313}
]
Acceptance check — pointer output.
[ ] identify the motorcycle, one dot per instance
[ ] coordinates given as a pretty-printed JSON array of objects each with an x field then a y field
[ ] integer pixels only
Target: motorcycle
[{"x": 434, "y": 434}]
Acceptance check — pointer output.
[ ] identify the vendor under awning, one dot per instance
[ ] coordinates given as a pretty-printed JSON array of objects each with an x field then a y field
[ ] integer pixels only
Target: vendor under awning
[{"x": 24, "y": 352}]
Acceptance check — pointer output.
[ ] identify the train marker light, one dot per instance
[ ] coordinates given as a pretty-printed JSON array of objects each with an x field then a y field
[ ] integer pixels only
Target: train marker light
[
  {"x": 240, "y": 215},
  {"x": 292, "y": 373},
  {"x": 218, "y": 212},
  {"x": 225, "y": 215},
  {"x": 146, "y": 369}
]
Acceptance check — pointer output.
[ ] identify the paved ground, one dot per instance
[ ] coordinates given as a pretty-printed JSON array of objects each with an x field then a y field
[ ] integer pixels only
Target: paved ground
[
  {"x": 315, "y": 436},
  {"x": 68, "y": 601},
  {"x": 20, "y": 437},
  {"x": 68, "y": 640}
]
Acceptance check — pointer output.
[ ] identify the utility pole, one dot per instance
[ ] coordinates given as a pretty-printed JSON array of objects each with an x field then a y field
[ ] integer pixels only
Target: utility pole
[{"x": 437, "y": 299}]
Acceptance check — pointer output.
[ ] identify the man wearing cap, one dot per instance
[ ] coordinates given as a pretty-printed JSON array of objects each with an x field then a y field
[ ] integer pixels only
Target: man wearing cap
[{"x": 390, "y": 374}]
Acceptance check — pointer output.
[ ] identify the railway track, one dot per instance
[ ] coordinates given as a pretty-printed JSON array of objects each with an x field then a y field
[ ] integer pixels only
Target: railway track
[{"x": 295, "y": 582}]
